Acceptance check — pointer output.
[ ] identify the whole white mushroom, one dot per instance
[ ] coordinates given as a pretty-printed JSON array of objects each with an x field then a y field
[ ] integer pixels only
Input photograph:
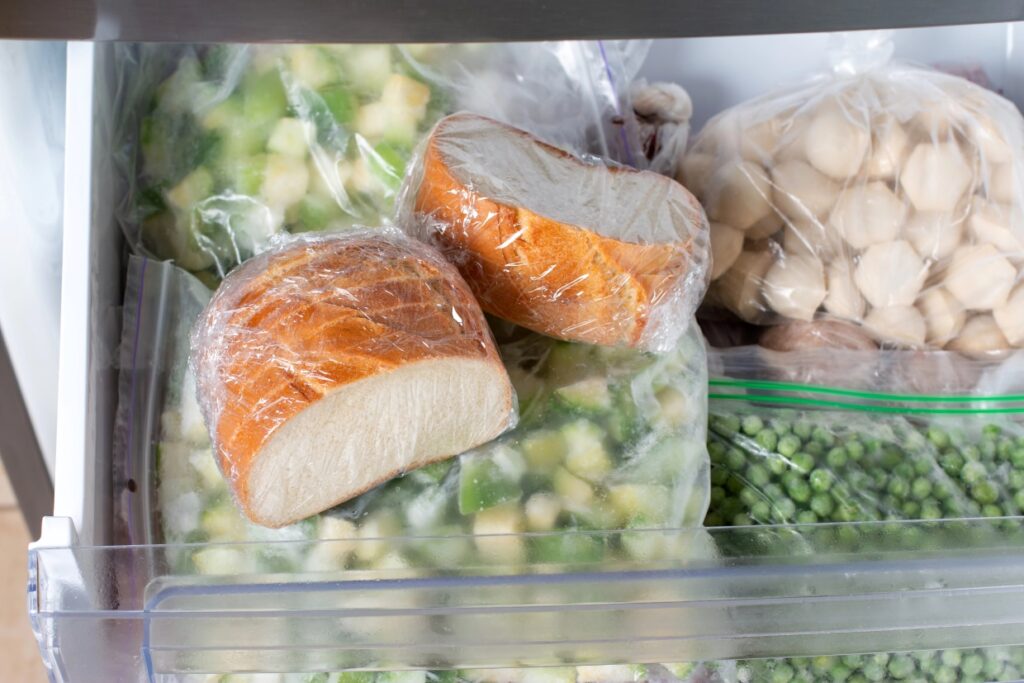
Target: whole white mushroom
[
  {"x": 900, "y": 325},
  {"x": 868, "y": 214},
  {"x": 814, "y": 238},
  {"x": 990, "y": 141},
  {"x": 944, "y": 316},
  {"x": 795, "y": 286},
  {"x": 739, "y": 289},
  {"x": 843, "y": 300},
  {"x": 835, "y": 143},
  {"x": 695, "y": 172},
  {"x": 1002, "y": 187},
  {"x": 980, "y": 337},
  {"x": 980, "y": 277},
  {"x": 1010, "y": 316},
  {"x": 738, "y": 194},
  {"x": 726, "y": 245},
  {"x": 800, "y": 192},
  {"x": 936, "y": 176},
  {"x": 890, "y": 274},
  {"x": 766, "y": 227},
  {"x": 888, "y": 151},
  {"x": 934, "y": 234},
  {"x": 998, "y": 225}
]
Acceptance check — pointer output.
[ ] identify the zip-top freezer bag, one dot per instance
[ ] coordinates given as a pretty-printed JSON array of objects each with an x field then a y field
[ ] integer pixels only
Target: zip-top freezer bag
[
  {"x": 882, "y": 194},
  {"x": 794, "y": 439},
  {"x": 224, "y": 146}
]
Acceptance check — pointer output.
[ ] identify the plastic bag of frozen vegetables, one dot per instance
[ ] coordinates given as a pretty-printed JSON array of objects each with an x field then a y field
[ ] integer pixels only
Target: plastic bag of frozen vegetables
[{"x": 223, "y": 146}]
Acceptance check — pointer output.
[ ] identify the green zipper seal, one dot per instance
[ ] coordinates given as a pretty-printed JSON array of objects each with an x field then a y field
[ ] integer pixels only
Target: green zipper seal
[
  {"x": 853, "y": 393},
  {"x": 814, "y": 402}
]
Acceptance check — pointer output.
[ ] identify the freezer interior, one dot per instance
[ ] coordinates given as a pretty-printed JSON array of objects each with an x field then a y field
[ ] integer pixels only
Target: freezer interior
[{"x": 719, "y": 604}]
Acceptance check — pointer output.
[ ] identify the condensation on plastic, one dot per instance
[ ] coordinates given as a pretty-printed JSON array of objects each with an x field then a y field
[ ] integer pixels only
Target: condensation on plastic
[
  {"x": 224, "y": 146},
  {"x": 562, "y": 245},
  {"x": 882, "y": 194},
  {"x": 851, "y": 436},
  {"x": 316, "y": 313}
]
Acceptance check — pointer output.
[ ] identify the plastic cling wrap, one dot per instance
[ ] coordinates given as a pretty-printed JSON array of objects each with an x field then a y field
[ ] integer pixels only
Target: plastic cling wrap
[
  {"x": 882, "y": 194},
  {"x": 329, "y": 364},
  {"x": 224, "y": 146},
  {"x": 568, "y": 247}
]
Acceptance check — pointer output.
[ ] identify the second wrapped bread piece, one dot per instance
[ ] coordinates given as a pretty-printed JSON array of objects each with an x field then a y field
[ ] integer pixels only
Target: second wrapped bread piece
[
  {"x": 572, "y": 249},
  {"x": 333, "y": 363}
]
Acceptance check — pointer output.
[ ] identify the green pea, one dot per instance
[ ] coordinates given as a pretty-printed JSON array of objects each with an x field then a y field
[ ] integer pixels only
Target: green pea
[
  {"x": 898, "y": 486},
  {"x": 823, "y": 664},
  {"x": 758, "y": 475},
  {"x": 931, "y": 512},
  {"x": 946, "y": 674},
  {"x": 988, "y": 450},
  {"x": 848, "y": 535},
  {"x": 911, "y": 509},
  {"x": 923, "y": 466},
  {"x": 741, "y": 520},
  {"x": 921, "y": 488},
  {"x": 857, "y": 678},
  {"x": 1005, "y": 449},
  {"x": 786, "y": 508},
  {"x": 938, "y": 437},
  {"x": 719, "y": 475},
  {"x": 803, "y": 462},
  {"x": 716, "y": 451},
  {"x": 971, "y": 453},
  {"x": 751, "y": 425},
  {"x": 713, "y": 519},
  {"x": 855, "y": 449},
  {"x": 991, "y": 430},
  {"x": 782, "y": 673},
  {"x": 748, "y": 496},
  {"x": 1018, "y": 498},
  {"x": 773, "y": 491},
  {"x": 1015, "y": 479},
  {"x": 814, "y": 448},
  {"x": 991, "y": 510},
  {"x": 972, "y": 664},
  {"x": 803, "y": 429},
  {"x": 822, "y": 505},
  {"x": 873, "y": 671},
  {"x": 717, "y": 495},
  {"x": 901, "y": 666},
  {"x": 951, "y": 462},
  {"x": 1017, "y": 457},
  {"x": 767, "y": 439},
  {"x": 799, "y": 491},
  {"x": 853, "y": 661},
  {"x": 1010, "y": 673},
  {"x": 984, "y": 491},
  {"x": 972, "y": 472},
  {"x": 993, "y": 669},
  {"x": 837, "y": 457},
  {"x": 905, "y": 470},
  {"x": 761, "y": 512},
  {"x": 891, "y": 457},
  {"x": 806, "y": 517},
  {"x": 735, "y": 459},
  {"x": 734, "y": 484},
  {"x": 839, "y": 673},
  {"x": 777, "y": 466},
  {"x": 727, "y": 424},
  {"x": 941, "y": 490},
  {"x": 788, "y": 445},
  {"x": 821, "y": 480},
  {"x": 823, "y": 436}
]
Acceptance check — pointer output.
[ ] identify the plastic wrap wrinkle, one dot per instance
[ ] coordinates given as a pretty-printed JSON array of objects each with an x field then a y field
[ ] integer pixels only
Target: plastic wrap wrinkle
[{"x": 908, "y": 178}]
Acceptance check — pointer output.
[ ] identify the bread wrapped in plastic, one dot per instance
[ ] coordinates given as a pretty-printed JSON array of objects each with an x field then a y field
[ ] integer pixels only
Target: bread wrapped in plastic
[
  {"x": 569, "y": 247},
  {"x": 330, "y": 364},
  {"x": 882, "y": 194}
]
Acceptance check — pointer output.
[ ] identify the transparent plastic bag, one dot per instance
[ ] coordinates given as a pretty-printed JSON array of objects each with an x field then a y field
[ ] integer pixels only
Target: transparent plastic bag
[
  {"x": 562, "y": 245},
  {"x": 224, "y": 146},
  {"x": 857, "y": 438},
  {"x": 882, "y": 194},
  {"x": 331, "y": 363}
]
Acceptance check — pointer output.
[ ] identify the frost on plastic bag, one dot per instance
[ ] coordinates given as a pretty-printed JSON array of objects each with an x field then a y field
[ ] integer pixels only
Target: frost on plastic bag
[
  {"x": 564, "y": 246},
  {"x": 331, "y": 363},
  {"x": 865, "y": 448},
  {"x": 236, "y": 143},
  {"x": 885, "y": 195}
]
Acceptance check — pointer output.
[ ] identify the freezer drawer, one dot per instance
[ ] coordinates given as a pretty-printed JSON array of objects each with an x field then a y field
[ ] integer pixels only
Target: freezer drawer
[{"x": 965, "y": 589}]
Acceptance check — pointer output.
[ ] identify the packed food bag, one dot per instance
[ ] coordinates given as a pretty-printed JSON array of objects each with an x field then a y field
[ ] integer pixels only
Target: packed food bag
[
  {"x": 224, "y": 146},
  {"x": 859, "y": 441},
  {"x": 572, "y": 247},
  {"x": 881, "y": 194}
]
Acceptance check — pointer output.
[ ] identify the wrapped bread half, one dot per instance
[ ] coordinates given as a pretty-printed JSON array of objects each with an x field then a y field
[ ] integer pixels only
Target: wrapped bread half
[
  {"x": 333, "y": 363},
  {"x": 566, "y": 247}
]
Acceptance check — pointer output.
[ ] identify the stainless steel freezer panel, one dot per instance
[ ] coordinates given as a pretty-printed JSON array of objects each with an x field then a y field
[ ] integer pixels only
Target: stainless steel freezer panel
[{"x": 390, "y": 21}]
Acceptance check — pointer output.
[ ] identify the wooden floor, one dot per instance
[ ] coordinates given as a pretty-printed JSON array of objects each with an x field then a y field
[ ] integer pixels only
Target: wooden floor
[{"x": 19, "y": 661}]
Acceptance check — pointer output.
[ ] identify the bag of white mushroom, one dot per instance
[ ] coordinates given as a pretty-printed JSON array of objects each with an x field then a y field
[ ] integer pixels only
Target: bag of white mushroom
[{"x": 890, "y": 199}]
